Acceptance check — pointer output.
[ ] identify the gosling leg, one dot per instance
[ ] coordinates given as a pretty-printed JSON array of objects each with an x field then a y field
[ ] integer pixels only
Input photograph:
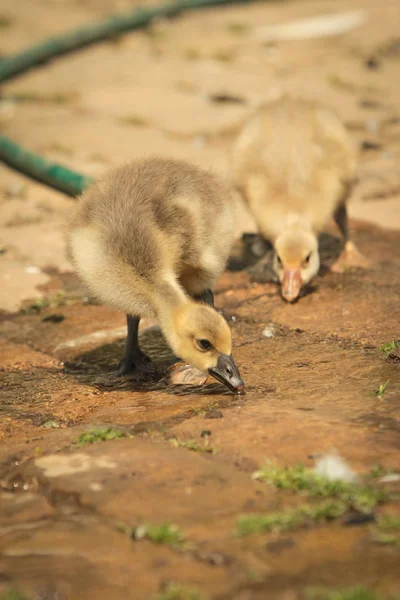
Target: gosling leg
[
  {"x": 350, "y": 257},
  {"x": 133, "y": 359}
]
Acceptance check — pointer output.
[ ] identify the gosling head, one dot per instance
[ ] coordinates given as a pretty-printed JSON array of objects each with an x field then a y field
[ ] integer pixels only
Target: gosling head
[
  {"x": 296, "y": 261},
  {"x": 202, "y": 338}
]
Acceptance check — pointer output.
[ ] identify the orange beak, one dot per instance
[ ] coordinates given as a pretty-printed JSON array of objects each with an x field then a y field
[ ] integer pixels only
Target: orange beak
[{"x": 291, "y": 284}]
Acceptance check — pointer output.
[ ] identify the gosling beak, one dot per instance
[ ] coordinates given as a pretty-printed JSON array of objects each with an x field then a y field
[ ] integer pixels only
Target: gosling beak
[
  {"x": 291, "y": 284},
  {"x": 227, "y": 373}
]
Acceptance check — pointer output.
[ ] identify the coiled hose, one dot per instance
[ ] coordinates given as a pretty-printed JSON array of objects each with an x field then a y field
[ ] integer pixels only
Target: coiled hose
[{"x": 34, "y": 165}]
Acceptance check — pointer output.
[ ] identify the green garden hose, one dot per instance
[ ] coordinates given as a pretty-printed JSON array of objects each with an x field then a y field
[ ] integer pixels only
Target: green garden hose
[{"x": 36, "y": 166}]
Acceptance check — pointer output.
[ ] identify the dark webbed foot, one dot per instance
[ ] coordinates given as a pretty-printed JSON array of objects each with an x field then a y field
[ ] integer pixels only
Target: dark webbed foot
[
  {"x": 134, "y": 361},
  {"x": 207, "y": 297},
  {"x": 140, "y": 365}
]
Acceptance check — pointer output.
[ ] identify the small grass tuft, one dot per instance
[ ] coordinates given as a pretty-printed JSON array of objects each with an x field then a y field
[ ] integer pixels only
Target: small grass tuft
[
  {"x": 390, "y": 347},
  {"x": 377, "y": 471},
  {"x": 387, "y": 530},
  {"x": 178, "y": 591},
  {"x": 166, "y": 533},
  {"x": 42, "y": 303},
  {"x": 354, "y": 593},
  {"x": 193, "y": 445},
  {"x": 12, "y": 594},
  {"x": 380, "y": 392},
  {"x": 99, "y": 435},
  {"x": 304, "y": 480},
  {"x": 389, "y": 522},
  {"x": 290, "y": 519}
]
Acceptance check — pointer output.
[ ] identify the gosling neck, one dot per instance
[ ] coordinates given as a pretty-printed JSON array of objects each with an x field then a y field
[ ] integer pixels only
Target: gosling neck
[{"x": 171, "y": 300}]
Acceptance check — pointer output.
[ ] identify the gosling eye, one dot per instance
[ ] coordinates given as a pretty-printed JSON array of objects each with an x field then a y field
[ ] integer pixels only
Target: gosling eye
[
  {"x": 279, "y": 260},
  {"x": 205, "y": 345},
  {"x": 307, "y": 259}
]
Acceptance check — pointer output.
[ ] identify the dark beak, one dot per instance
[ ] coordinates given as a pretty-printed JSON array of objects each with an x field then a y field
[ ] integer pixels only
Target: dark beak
[{"x": 227, "y": 373}]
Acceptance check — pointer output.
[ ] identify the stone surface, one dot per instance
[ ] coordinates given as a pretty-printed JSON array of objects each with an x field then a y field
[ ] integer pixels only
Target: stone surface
[{"x": 311, "y": 369}]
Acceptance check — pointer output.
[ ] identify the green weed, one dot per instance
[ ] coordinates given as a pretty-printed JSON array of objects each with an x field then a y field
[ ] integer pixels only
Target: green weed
[
  {"x": 355, "y": 593},
  {"x": 99, "y": 435},
  {"x": 12, "y": 594},
  {"x": 380, "y": 392},
  {"x": 177, "y": 591},
  {"x": 387, "y": 530},
  {"x": 389, "y": 522},
  {"x": 390, "y": 347},
  {"x": 304, "y": 480},
  {"x": 42, "y": 303},
  {"x": 290, "y": 519},
  {"x": 192, "y": 445},
  {"x": 166, "y": 533},
  {"x": 377, "y": 471}
]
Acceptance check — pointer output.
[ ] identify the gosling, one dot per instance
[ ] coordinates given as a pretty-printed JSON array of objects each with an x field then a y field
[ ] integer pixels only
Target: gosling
[
  {"x": 151, "y": 239},
  {"x": 295, "y": 165}
]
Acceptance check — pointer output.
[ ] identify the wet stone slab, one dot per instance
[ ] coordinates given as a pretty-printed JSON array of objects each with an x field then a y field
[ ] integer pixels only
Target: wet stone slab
[{"x": 312, "y": 370}]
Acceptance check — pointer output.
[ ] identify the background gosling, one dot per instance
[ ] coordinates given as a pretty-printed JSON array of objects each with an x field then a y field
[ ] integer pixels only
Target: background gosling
[
  {"x": 152, "y": 238},
  {"x": 295, "y": 165}
]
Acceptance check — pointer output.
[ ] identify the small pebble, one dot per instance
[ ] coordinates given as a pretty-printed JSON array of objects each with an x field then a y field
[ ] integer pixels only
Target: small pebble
[
  {"x": 373, "y": 63},
  {"x": 214, "y": 414},
  {"x": 372, "y": 125},
  {"x": 390, "y": 478},
  {"x": 269, "y": 330},
  {"x": 357, "y": 518},
  {"x": 53, "y": 318},
  {"x": 32, "y": 270},
  {"x": 370, "y": 145}
]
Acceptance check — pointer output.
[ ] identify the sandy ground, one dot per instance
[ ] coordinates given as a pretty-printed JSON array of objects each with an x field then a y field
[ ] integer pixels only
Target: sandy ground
[{"x": 312, "y": 368}]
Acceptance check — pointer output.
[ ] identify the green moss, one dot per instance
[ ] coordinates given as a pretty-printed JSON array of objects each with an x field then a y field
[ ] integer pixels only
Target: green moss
[
  {"x": 99, "y": 435},
  {"x": 354, "y": 593},
  {"x": 377, "y": 471},
  {"x": 166, "y": 533},
  {"x": 390, "y": 347},
  {"x": 289, "y": 519},
  {"x": 389, "y": 522},
  {"x": 192, "y": 445},
  {"x": 387, "y": 530},
  {"x": 304, "y": 480},
  {"x": 42, "y": 303},
  {"x": 177, "y": 591},
  {"x": 12, "y": 594}
]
